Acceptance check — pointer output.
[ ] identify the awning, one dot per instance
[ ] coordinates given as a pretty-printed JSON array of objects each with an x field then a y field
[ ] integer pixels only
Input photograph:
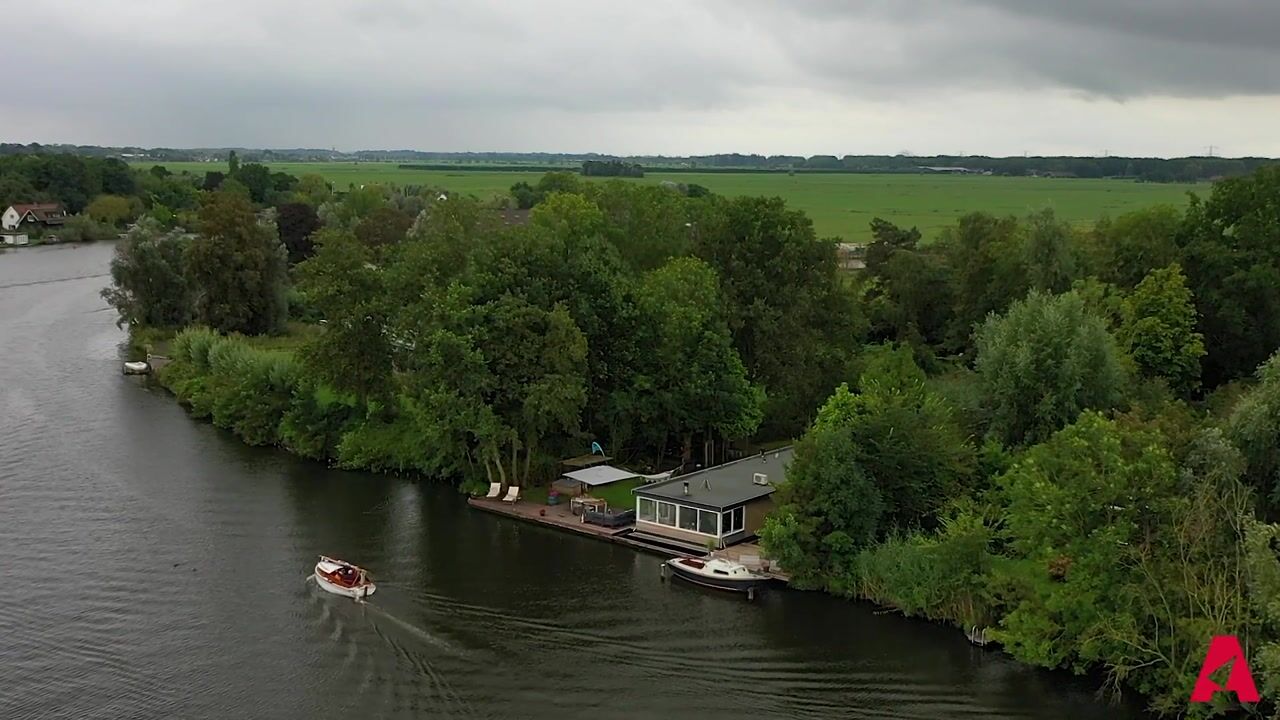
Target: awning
[{"x": 600, "y": 475}]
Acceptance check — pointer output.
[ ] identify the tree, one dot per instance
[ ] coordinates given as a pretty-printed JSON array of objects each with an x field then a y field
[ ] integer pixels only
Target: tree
[
  {"x": 827, "y": 511},
  {"x": 16, "y": 189},
  {"x": 1044, "y": 362},
  {"x": 1124, "y": 250},
  {"x": 690, "y": 379},
  {"x": 888, "y": 239},
  {"x": 313, "y": 190},
  {"x": 150, "y": 285},
  {"x": 1230, "y": 247},
  {"x": 1125, "y": 557},
  {"x": 986, "y": 258},
  {"x": 1159, "y": 329},
  {"x": 354, "y": 353},
  {"x": 111, "y": 209},
  {"x": 794, "y": 322},
  {"x": 82, "y": 228},
  {"x": 1254, "y": 426},
  {"x": 257, "y": 178},
  {"x": 213, "y": 180},
  {"x": 238, "y": 267},
  {"x": 233, "y": 164},
  {"x": 1050, "y": 257},
  {"x": 906, "y": 438},
  {"x": 648, "y": 224},
  {"x": 383, "y": 227},
  {"x": 296, "y": 222},
  {"x": 909, "y": 297},
  {"x": 117, "y": 177}
]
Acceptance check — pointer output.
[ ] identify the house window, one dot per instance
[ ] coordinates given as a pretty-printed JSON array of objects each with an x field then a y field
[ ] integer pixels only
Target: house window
[
  {"x": 647, "y": 510},
  {"x": 732, "y": 520},
  {"x": 707, "y": 524},
  {"x": 666, "y": 514},
  {"x": 688, "y": 518}
]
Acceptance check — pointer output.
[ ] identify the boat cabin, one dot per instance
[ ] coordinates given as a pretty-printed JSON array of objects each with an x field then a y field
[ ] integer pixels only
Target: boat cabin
[{"x": 721, "y": 506}]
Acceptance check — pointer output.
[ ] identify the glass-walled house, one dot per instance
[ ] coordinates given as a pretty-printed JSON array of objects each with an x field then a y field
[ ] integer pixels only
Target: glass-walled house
[{"x": 722, "y": 505}]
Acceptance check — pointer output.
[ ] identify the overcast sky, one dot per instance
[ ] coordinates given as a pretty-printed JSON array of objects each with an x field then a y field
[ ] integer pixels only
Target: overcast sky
[{"x": 1000, "y": 77}]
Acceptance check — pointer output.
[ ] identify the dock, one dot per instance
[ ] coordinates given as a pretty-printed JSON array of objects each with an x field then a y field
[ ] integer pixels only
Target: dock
[{"x": 560, "y": 517}]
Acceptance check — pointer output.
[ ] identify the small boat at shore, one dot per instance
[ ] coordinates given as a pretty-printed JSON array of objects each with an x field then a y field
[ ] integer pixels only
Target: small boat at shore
[
  {"x": 342, "y": 578},
  {"x": 717, "y": 573},
  {"x": 136, "y": 368}
]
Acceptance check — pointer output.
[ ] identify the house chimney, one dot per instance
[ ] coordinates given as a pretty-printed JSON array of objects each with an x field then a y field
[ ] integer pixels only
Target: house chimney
[
  {"x": 706, "y": 483},
  {"x": 686, "y": 487}
]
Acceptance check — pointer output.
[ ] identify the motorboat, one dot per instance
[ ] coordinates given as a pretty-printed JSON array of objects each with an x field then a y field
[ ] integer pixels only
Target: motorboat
[
  {"x": 342, "y": 578},
  {"x": 717, "y": 573},
  {"x": 136, "y": 368}
]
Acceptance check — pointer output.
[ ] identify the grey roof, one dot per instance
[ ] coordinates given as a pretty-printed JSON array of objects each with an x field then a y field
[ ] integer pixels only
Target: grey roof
[
  {"x": 600, "y": 475},
  {"x": 724, "y": 485}
]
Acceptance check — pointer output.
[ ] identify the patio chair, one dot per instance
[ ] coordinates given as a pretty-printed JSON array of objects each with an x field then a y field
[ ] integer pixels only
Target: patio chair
[
  {"x": 495, "y": 491},
  {"x": 513, "y": 494}
]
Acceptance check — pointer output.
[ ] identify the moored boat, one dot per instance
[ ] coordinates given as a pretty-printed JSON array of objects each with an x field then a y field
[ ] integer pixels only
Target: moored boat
[
  {"x": 342, "y": 578},
  {"x": 717, "y": 573},
  {"x": 136, "y": 368}
]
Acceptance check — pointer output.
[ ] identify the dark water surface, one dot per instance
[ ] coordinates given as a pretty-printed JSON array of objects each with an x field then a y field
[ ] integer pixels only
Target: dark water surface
[{"x": 153, "y": 567}]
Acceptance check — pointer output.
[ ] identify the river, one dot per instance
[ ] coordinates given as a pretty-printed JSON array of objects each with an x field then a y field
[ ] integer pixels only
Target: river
[{"x": 155, "y": 567}]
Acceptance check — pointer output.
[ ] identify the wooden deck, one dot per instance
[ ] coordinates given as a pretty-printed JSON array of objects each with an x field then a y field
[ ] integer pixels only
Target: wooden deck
[{"x": 559, "y": 516}]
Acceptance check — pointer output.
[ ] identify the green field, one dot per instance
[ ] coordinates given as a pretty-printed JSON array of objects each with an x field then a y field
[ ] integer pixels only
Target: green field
[{"x": 839, "y": 204}]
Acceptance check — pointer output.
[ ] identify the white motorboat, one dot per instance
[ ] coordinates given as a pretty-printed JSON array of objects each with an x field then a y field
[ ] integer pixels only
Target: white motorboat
[
  {"x": 342, "y": 578},
  {"x": 717, "y": 573},
  {"x": 136, "y": 368}
]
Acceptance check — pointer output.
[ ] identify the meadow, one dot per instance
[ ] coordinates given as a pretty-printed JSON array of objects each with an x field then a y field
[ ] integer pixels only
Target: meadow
[{"x": 840, "y": 204}]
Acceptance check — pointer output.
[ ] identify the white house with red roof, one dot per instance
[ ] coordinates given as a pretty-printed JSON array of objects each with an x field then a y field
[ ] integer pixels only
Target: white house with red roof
[{"x": 44, "y": 214}]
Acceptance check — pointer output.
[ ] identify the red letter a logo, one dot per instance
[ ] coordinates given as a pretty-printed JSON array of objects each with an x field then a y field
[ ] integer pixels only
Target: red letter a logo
[{"x": 1225, "y": 649}]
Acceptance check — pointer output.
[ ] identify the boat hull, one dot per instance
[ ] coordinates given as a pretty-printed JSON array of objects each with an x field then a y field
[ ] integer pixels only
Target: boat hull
[
  {"x": 358, "y": 592},
  {"x": 743, "y": 585}
]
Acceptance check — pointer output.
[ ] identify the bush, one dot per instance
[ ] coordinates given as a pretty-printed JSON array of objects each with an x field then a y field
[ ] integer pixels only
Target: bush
[
  {"x": 241, "y": 388},
  {"x": 942, "y": 576},
  {"x": 316, "y": 420}
]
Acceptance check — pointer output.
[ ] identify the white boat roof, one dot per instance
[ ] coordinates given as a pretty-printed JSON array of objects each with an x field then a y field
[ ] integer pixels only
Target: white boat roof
[{"x": 600, "y": 475}]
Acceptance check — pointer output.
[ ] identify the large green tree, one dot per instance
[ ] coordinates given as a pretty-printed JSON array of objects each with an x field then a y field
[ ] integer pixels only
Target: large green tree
[
  {"x": 1042, "y": 363},
  {"x": 906, "y": 438},
  {"x": 1050, "y": 252},
  {"x": 689, "y": 378},
  {"x": 1159, "y": 328},
  {"x": 1254, "y": 426},
  {"x": 354, "y": 353},
  {"x": 986, "y": 257},
  {"x": 828, "y": 510},
  {"x": 794, "y": 322},
  {"x": 1230, "y": 248},
  {"x": 238, "y": 268},
  {"x": 150, "y": 285}
]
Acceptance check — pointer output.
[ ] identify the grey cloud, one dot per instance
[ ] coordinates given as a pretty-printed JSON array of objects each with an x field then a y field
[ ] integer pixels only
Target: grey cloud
[
  {"x": 555, "y": 73},
  {"x": 1112, "y": 48}
]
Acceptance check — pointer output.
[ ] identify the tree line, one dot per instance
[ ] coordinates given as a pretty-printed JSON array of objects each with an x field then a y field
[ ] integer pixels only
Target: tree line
[
  {"x": 1146, "y": 169},
  {"x": 1068, "y": 435}
]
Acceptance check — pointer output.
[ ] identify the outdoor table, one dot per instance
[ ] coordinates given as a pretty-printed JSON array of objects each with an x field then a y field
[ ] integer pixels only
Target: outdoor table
[{"x": 579, "y": 504}]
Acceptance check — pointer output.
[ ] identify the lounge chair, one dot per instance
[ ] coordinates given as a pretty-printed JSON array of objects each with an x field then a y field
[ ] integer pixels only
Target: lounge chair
[
  {"x": 513, "y": 494},
  {"x": 495, "y": 491}
]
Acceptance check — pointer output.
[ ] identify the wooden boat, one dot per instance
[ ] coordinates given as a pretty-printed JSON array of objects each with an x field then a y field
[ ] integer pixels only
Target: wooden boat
[
  {"x": 717, "y": 573},
  {"x": 342, "y": 578},
  {"x": 136, "y": 368}
]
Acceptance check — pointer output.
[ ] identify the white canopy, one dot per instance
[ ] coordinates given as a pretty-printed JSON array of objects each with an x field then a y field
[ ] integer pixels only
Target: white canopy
[{"x": 600, "y": 475}]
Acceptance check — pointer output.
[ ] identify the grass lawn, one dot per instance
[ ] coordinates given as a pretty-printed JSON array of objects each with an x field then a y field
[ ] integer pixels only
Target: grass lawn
[
  {"x": 839, "y": 204},
  {"x": 295, "y": 336},
  {"x": 618, "y": 494}
]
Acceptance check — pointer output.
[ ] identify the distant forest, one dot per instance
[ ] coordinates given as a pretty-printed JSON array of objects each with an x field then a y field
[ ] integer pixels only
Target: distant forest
[{"x": 1186, "y": 169}]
